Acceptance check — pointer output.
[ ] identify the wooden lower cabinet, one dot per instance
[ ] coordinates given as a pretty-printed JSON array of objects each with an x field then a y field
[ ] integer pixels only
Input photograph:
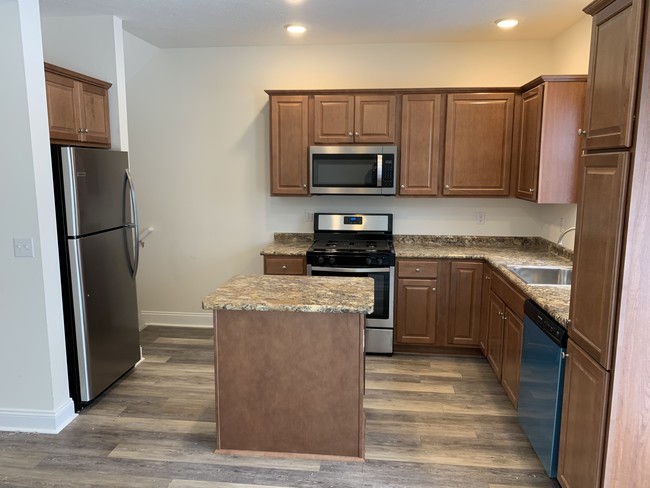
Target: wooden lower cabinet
[
  {"x": 466, "y": 280},
  {"x": 513, "y": 335},
  {"x": 495, "y": 333},
  {"x": 284, "y": 265},
  {"x": 485, "y": 309},
  {"x": 584, "y": 415},
  {"x": 416, "y": 311}
]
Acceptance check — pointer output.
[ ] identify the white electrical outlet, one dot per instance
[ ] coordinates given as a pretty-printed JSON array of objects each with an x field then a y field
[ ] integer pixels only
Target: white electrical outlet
[
  {"x": 24, "y": 248},
  {"x": 480, "y": 218},
  {"x": 309, "y": 216}
]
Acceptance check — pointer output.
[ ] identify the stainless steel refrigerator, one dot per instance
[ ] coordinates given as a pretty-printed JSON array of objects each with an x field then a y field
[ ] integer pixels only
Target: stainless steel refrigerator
[{"x": 98, "y": 249}]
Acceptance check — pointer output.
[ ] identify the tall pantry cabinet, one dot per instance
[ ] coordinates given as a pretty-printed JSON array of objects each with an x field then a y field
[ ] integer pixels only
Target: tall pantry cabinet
[{"x": 605, "y": 416}]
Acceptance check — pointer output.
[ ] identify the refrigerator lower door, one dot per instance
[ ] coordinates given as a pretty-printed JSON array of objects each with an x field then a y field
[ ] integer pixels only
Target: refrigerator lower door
[{"x": 105, "y": 309}]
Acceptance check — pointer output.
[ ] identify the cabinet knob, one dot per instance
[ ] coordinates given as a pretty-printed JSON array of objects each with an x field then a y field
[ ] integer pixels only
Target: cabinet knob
[
  {"x": 433, "y": 289},
  {"x": 531, "y": 190},
  {"x": 417, "y": 270},
  {"x": 582, "y": 132},
  {"x": 487, "y": 277},
  {"x": 446, "y": 187},
  {"x": 349, "y": 134},
  {"x": 356, "y": 134},
  {"x": 304, "y": 185},
  {"x": 81, "y": 131},
  {"x": 402, "y": 186},
  {"x": 284, "y": 266},
  {"x": 565, "y": 355}
]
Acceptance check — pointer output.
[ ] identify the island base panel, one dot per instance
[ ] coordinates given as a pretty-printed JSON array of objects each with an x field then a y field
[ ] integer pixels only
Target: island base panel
[{"x": 289, "y": 382}]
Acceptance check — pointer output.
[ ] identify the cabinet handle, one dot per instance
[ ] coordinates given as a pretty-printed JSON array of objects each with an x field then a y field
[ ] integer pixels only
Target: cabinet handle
[
  {"x": 487, "y": 277},
  {"x": 531, "y": 190},
  {"x": 446, "y": 187},
  {"x": 582, "y": 132},
  {"x": 284, "y": 266},
  {"x": 356, "y": 134},
  {"x": 349, "y": 134},
  {"x": 402, "y": 186},
  {"x": 565, "y": 355},
  {"x": 417, "y": 270},
  {"x": 81, "y": 131},
  {"x": 304, "y": 185},
  {"x": 433, "y": 289}
]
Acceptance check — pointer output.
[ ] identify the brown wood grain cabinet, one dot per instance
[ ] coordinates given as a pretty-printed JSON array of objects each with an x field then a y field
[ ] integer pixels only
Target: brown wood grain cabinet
[
  {"x": 77, "y": 108},
  {"x": 416, "y": 302},
  {"x": 421, "y": 150},
  {"x": 552, "y": 111},
  {"x": 485, "y": 308},
  {"x": 599, "y": 240},
  {"x": 584, "y": 413},
  {"x": 496, "y": 314},
  {"x": 466, "y": 281},
  {"x": 289, "y": 145},
  {"x": 284, "y": 265},
  {"x": 359, "y": 119},
  {"x": 478, "y": 140},
  {"x": 613, "y": 72},
  {"x": 513, "y": 335}
]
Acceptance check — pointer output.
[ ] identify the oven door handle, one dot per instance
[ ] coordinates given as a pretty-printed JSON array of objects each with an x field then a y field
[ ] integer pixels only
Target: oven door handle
[{"x": 349, "y": 270}]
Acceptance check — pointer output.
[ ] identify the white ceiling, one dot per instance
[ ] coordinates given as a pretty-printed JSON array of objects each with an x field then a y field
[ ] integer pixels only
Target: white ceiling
[{"x": 214, "y": 23}]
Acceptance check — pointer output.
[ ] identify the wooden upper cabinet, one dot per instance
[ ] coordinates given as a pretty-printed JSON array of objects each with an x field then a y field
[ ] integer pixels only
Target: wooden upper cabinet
[
  {"x": 289, "y": 145},
  {"x": 584, "y": 417},
  {"x": 465, "y": 303},
  {"x": 478, "y": 142},
  {"x": 597, "y": 255},
  {"x": 420, "y": 147},
  {"x": 613, "y": 70},
  {"x": 360, "y": 119},
  {"x": 552, "y": 113},
  {"x": 77, "y": 108}
]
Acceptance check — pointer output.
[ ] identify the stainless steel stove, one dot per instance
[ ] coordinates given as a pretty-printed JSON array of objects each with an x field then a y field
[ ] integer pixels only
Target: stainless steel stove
[{"x": 359, "y": 245}]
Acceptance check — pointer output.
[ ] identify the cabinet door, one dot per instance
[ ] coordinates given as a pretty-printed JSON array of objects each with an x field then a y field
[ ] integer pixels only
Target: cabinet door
[
  {"x": 94, "y": 114},
  {"x": 478, "y": 142},
  {"x": 599, "y": 236},
  {"x": 613, "y": 71},
  {"x": 495, "y": 333},
  {"x": 289, "y": 145},
  {"x": 529, "y": 142},
  {"x": 62, "y": 108},
  {"x": 416, "y": 311},
  {"x": 485, "y": 308},
  {"x": 333, "y": 119},
  {"x": 584, "y": 412},
  {"x": 374, "y": 119},
  {"x": 420, "y": 147},
  {"x": 465, "y": 303},
  {"x": 513, "y": 334}
]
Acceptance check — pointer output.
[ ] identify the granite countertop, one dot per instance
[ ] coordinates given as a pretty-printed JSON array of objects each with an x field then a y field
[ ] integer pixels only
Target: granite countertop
[
  {"x": 293, "y": 294},
  {"x": 498, "y": 251}
]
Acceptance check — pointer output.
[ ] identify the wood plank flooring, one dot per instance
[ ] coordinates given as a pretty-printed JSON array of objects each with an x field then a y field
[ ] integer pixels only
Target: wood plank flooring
[{"x": 432, "y": 421}]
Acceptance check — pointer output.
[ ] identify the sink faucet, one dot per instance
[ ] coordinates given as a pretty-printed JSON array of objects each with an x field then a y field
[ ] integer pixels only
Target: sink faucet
[{"x": 559, "y": 240}]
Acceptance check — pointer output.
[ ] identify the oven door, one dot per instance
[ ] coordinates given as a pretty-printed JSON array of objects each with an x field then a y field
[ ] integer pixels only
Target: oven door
[{"x": 382, "y": 315}]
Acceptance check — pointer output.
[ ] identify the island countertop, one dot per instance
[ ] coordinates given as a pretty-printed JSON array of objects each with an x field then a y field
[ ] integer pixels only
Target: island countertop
[{"x": 327, "y": 294}]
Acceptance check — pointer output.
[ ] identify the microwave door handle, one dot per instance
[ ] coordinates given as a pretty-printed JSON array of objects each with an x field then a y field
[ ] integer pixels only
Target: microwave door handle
[{"x": 380, "y": 160}]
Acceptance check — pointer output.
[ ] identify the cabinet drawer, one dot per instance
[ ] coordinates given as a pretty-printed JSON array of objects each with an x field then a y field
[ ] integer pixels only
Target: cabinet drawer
[
  {"x": 511, "y": 297},
  {"x": 284, "y": 265},
  {"x": 417, "y": 269}
]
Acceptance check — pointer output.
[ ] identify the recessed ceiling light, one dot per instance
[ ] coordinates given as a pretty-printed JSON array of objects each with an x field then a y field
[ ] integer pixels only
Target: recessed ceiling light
[
  {"x": 506, "y": 23},
  {"x": 295, "y": 28}
]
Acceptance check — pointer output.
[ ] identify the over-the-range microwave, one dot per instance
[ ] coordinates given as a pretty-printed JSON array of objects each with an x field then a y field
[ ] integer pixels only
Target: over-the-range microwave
[{"x": 352, "y": 170}]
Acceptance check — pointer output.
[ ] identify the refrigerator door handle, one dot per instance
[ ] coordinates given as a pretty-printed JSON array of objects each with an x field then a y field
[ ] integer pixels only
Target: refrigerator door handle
[{"x": 134, "y": 225}]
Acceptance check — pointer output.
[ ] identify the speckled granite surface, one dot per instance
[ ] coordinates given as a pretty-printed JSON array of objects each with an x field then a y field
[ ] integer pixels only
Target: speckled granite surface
[
  {"x": 498, "y": 251},
  {"x": 293, "y": 294},
  {"x": 288, "y": 245}
]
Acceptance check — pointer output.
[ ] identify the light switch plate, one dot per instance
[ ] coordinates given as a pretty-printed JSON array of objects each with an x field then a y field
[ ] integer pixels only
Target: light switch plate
[{"x": 24, "y": 247}]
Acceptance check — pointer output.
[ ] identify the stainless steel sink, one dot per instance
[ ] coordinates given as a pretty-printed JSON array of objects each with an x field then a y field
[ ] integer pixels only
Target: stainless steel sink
[{"x": 543, "y": 275}]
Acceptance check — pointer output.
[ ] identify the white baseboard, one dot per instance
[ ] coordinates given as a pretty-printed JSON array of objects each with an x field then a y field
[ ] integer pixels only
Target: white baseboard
[
  {"x": 41, "y": 421},
  {"x": 176, "y": 319}
]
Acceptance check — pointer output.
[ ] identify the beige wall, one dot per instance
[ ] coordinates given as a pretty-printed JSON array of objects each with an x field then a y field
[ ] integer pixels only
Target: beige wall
[{"x": 198, "y": 131}]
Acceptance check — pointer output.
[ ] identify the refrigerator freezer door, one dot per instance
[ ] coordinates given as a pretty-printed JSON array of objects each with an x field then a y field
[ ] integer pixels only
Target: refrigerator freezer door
[
  {"x": 106, "y": 310},
  {"x": 96, "y": 190}
]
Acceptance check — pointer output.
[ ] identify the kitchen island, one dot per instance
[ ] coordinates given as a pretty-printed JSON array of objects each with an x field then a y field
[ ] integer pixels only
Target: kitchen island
[{"x": 289, "y": 364}]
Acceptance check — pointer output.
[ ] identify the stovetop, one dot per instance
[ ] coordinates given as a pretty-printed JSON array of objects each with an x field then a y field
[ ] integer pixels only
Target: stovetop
[{"x": 351, "y": 245}]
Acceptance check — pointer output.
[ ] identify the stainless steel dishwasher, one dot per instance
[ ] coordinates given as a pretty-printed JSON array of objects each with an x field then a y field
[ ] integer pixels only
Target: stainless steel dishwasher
[{"x": 541, "y": 383}]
